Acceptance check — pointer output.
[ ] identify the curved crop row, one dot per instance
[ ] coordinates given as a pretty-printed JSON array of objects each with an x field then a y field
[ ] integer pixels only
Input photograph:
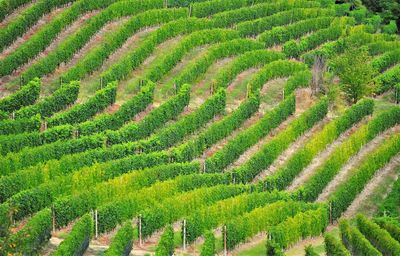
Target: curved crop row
[{"x": 27, "y": 95}]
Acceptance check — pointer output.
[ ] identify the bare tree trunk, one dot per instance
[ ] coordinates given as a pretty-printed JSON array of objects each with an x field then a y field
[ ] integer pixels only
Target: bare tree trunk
[{"x": 318, "y": 71}]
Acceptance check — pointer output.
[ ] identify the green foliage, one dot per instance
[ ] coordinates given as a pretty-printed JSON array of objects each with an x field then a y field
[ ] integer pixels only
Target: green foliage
[
  {"x": 208, "y": 8},
  {"x": 390, "y": 225},
  {"x": 40, "y": 40},
  {"x": 252, "y": 12},
  {"x": 245, "y": 139},
  {"x": 334, "y": 247},
  {"x": 273, "y": 249},
  {"x": 166, "y": 245},
  {"x": 261, "y": 219},
  {"x": 60, "y": 99},
  {"x": 174, "y": 208},
  {"x": 30, "y": 239},
  {"x": 390, "y": 205},
  {"x": 208, "y": 218},
  {"x": 355, "y": 76},
  {"x": 262, "y": 159},
  {"x": 281, "y": 34},
  {"x": 7, "y": 6},
  {"x": 304, "y": 224},
  {"x": 27, "y": 19},
  {"x": 307, "y": 10},
  {"x": 20, "y": 125},
  {"x": 345, "y": 193},
  {"x": 138, "y": 55},
  {"x": 15, "y": 143},
  {"x": 124, "y": 114},
  {"x": 380, "y": 238},
  {"x": 78, "y": 239},
  {"x": 79, "y": 113},
  {"x": 27, "y": 95},
  {"x": 354, "y": 240},
  {"x": 96, "y": 57},
  {"x": 388, "y": 79},
  {"x": 327, "y": 171},
  {"x": 196, "y": 69},
  {"x": 208, "y": 248},
  {"x": 386, "y": 60},
  {"x": 216, "y": 131},
  {"x": 391, "y": 28},
  {"x": 122, "y": 242}
]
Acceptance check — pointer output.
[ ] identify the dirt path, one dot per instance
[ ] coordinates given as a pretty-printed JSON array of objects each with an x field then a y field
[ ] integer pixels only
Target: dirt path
[
  {"x": 14, "y": 77},
  {"x": 293, "y": 148},
  {"x": 321, "y": 158},
  {"x": 219, "y": 145},
  {"x": 94, "y": 41},
  {"x": 259, "y": 145},
  {"x": 237, "y": 89},
  {"x": 390, "y": 169},
  {"x": 252, "y": 242},
  {"x": 31, "y": 31},
  {"x": 9, "y": 18},
  {"x": 353, "y": 163}
]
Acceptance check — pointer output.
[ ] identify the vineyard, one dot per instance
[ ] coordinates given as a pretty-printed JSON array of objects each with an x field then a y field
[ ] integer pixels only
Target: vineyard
[{"x": 198, "y": 127}]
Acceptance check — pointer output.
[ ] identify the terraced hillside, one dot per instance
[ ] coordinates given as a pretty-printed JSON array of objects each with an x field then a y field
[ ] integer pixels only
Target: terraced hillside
[{"x": 201, "y": 127}]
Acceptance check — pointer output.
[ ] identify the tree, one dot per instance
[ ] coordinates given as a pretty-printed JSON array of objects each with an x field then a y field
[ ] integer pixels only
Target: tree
[{"x": 355, "y": 73}]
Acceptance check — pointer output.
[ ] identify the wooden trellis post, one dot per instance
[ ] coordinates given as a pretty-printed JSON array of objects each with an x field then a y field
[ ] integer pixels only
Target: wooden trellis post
[
  {"x": 184, "y": 235},
  {"x": 54, "y": 218},
  {"x": 61, "y": 80},
  {"x": 330, "y": 212},
  {"x": 96, "y": 224},
  {"x": 283, "y": 93},
  {"x": 101, "y": 82},
  {"x": 190, "y": 10},
  {"x": 225, "y": 247},
  {"x": 140, "y": 229}
]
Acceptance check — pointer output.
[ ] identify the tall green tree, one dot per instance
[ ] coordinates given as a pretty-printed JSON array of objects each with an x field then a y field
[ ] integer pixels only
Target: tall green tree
[{"x": 355, "y": 73}]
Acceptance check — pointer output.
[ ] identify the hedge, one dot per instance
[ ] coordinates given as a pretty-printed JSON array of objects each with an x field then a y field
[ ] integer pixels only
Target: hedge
[
  {"x": 299, "y": 79},
  {"x": 128, "y": 206},
  {"x": 174, "y": 208},
  {"x": 33, "y": 236},
  {"x": 122, "y": 242},
  {"x": 301, "y": 226},
  {"x": 294, "y": 49},
  {"x": 318, "y": 142},
  {"x": 20, "y": 125},
  {"x": 96, "y": 57},
  {"x": 216, "y": 131},
  {"x": 334, "y": 247},
  {"x": 138, "y": 55},
  {"x": 347, "y": 191},
  {"x": 388, "y": 79},
  {"x": 123, "y": 115},
  {"x": 243, "y": 62},
  {"x": 195, "y": 39},
  {"x": 245, "y": 139},
  {"x": 327, "y": 171},
  {"x": 27, "y": 95},
  {"x": 33, "y": 156},
  {"x": 279, "y": 35},
  {"x": 15, "y": 143},
  {"x": 275, "y": 69},
  {"x": 208, "y": 248},
  {"x": 78, "y": 239},
  {"x": 252, "y": 12},
  {"x": 390, "y": 225},
  {"x": 38, "y": 42},
  {"x": 218, "y": 51},
  {"x": 261, "y": 219},
  {"x": 390, "y": 205},
  {"x": 293, "y": 13},
  {"x": 26, "y": 19},
  {"x": 265, "y": 156},
  {"x": 380, "y": 238},
  {"x": 79, "y": 113},
  {"x": 8, "y": 6},
  {"x": 208, "y": 218},
  {"x": 354, "y": 240},
  {"x": 166, "y": 245},
  {"x": 386, "y": 60},
  {"x": 59, "y": 100}
]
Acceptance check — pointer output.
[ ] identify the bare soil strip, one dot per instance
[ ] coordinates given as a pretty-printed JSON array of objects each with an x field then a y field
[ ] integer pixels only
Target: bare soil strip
[
  {"x": 353, "y": 163},
  {"x": 320, "y": 159}
]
